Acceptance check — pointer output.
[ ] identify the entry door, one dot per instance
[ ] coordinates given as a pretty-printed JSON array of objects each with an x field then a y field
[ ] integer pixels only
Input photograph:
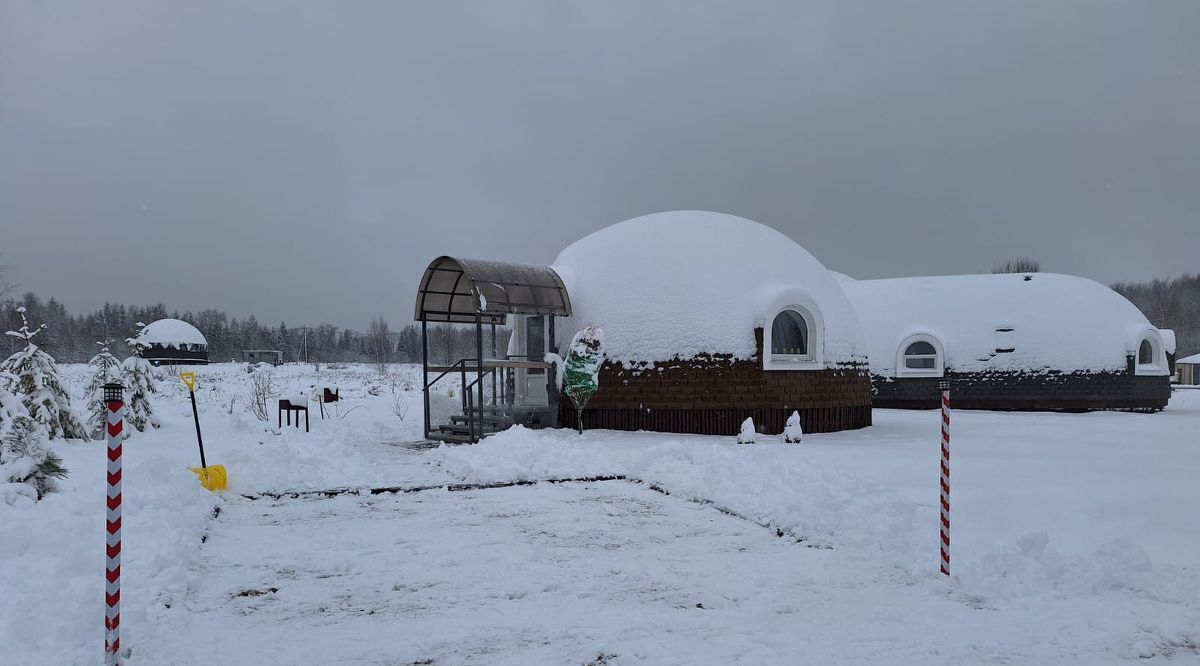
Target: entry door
[{"x": 533, "y": 380}]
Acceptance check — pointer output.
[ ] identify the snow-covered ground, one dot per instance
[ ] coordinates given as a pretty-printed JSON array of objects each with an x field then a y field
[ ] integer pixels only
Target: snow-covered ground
[{"x": 1075, "y": 541}]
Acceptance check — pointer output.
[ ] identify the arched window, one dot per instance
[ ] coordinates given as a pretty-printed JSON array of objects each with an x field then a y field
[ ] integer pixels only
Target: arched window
[
  {"x": 792, "y": 334},
  {"x": 920, "y": 356},
  {"x": 1150, "y": 357},
  {"x": 789, "y": 335}
]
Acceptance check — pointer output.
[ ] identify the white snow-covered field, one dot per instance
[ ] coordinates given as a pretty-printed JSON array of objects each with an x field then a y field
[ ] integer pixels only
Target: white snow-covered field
[{"x": 1076, "y": 541}]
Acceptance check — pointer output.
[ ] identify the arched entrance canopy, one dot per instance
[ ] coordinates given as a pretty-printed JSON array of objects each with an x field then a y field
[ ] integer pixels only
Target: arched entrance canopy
[{"x": 457, "y": 290}]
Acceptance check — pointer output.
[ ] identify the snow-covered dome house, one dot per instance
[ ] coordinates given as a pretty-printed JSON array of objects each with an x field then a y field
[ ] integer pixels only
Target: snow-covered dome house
[
  {"x": 710, "y": 318},
  {"x": 172, "y": 342},
  {"x": 1011, "y": 341}
]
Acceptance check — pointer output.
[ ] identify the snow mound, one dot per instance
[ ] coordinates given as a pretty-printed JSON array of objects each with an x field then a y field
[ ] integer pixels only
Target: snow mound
[
  {"x": 1049, "y": 321},
  {"x": 171, "y": 333},
  {"x": 688, "y": 283}
]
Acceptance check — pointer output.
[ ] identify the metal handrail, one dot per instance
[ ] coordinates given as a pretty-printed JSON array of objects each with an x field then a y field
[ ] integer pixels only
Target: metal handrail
[{"x": 450, "y": 369}]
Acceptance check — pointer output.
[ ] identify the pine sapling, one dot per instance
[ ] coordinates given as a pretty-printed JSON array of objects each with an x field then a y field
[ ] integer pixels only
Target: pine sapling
[
  {"x": 138, "y": 377},
  {"x": 26, "y": 457},
  {"x": 32, "y": 375},
  {"x": 105, "y": 369}
]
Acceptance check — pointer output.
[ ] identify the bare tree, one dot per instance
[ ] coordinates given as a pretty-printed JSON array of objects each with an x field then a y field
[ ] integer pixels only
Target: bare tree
[
  {"x": 261, "y": 392},
  {"x": 1018, "y": 265},
  {"x": 379, "y": 344},
  {"x": 6, "y": 285}
]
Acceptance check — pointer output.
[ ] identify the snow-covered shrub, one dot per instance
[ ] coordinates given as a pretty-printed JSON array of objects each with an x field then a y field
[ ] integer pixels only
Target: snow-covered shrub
[
  {"x": 32, "y": 375},
  {"x": 747, "y": 434},
  {"x": 105, "y": 369},
  {"x": 138, "y": 376},
  {"x": 26, "y": 457},
  {"x": 793, "y": 432},
  {"x": 581, "y": 376}
]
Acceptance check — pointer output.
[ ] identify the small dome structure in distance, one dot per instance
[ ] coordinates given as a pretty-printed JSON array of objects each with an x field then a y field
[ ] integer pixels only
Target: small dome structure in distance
[{"x": 173, "y": 342}]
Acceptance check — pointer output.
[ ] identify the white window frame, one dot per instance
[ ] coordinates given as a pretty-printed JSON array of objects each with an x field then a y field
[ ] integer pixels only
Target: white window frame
[
  {"x": 939, "y": 369},
  {"x": 812, "y": 360},
  {"x": 1158, "y": 366}
]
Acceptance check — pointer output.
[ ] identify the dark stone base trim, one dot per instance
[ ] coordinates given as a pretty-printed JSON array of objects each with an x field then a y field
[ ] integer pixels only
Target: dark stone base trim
[
  {"x": 1018, "y": 391},
  {"x": 717, "y": 421}
]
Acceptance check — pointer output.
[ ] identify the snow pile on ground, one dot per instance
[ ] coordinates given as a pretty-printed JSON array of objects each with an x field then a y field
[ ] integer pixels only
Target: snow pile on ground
[
  {"x": 687, "y": 283},
  {"x": 1050, "y": 321}
]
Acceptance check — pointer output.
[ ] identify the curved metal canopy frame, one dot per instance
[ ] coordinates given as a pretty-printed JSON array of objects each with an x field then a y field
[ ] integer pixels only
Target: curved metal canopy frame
[{"x": 459, "y": 290}]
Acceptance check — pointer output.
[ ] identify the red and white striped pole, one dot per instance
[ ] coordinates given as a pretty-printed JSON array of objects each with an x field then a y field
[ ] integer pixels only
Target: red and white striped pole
[
  {"x": 115, "y": 402},
  {"x": 945, "y": 537}
]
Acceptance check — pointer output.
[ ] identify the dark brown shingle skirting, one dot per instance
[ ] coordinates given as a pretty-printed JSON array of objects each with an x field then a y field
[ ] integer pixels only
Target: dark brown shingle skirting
[
  {"x": 712, "y": 395},
  {"x": 1075, "y": 391},
  {"x": 719, "y": 421}
]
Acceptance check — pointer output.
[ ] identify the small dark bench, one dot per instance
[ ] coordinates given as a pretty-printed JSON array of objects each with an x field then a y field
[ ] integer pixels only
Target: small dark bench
[{"x": 296, "y": 405}]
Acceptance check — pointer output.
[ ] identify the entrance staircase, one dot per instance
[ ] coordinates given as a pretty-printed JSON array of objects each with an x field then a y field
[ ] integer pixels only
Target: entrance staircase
[{"x": 484, "y": 422}]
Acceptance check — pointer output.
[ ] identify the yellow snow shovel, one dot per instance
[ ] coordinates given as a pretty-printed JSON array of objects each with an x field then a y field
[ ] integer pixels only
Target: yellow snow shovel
[{"x": 212, "y": 478}]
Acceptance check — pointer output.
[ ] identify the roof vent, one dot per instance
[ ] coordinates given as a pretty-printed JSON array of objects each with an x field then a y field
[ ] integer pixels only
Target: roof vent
[
  {"x": 1028, "y": 278},
  {"x": 1005, "y": 340}
]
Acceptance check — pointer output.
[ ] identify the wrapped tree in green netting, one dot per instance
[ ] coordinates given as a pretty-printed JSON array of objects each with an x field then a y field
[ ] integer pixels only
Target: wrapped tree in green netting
[{"x": 582, "y": 367}]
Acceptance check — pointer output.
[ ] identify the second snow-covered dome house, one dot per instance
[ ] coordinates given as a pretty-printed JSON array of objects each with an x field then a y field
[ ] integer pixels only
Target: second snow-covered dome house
[
  {"x": 1013, "y": 341},
  {"x": 172, "y": 342}
]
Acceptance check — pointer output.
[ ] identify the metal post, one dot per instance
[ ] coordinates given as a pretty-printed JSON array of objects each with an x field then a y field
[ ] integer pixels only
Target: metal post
[
  {"x": 552, "y": 386},
  {"x": 945, "y": 484},
  {"x": 425, "y": 371},
  {"x": 479, "y": 369},
  {"x": 115, "y": 403},
  {"x": 495, "y": 355}
]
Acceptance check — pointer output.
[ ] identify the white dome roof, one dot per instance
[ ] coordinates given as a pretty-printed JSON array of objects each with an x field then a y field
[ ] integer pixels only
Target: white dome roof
[
  {"x": 685, "y": 283},
  {"x": 170, "y": 333},
  {"x": 1057, "y": 322}
]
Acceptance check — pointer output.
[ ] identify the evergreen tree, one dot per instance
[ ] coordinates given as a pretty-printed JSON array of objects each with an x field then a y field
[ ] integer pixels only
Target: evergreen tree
[
  {"x": 32, "y": 375},
  {"x": 138, "y": 377},
  {"x": 105, "y": 369},
  {"x": 10, "y": 405},
  {"x": 584, "y": 358},
  {"x": 26, "y": 457}
]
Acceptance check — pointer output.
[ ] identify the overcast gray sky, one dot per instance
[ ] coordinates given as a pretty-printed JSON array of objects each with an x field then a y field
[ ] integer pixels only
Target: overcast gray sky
[{"x": 305, "y": 161}]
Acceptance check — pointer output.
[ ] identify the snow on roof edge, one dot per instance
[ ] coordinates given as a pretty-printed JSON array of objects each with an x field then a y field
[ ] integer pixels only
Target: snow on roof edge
[{"x": 171, "y": 333}]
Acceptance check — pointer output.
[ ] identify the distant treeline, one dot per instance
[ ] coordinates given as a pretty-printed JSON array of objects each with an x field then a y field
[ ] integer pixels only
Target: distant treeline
[
  {"x": 72, "y": 338},
  {"x": 1173, "y": 304}
]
